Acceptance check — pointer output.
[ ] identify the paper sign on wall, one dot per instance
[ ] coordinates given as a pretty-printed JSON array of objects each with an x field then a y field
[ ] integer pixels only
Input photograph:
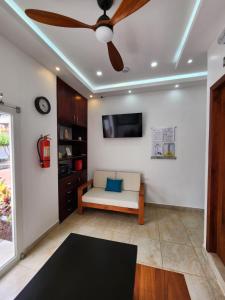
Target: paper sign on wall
[{"x": 164, "y": 143}]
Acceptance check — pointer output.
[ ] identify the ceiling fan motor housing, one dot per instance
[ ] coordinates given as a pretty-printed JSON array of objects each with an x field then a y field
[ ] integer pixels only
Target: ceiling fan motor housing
[
  {"x": 105, "y": 18},
  {"x": 105, "y": 4}
]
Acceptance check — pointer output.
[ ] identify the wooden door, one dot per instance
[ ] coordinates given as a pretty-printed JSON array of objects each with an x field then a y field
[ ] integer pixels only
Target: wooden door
[
  {"x": 216, "y": 182},
  {"x": 221, "y": 180}
]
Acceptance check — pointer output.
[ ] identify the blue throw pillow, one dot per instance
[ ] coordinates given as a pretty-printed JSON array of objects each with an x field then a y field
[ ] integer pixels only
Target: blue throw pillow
[{"x": 114, "y": 185}]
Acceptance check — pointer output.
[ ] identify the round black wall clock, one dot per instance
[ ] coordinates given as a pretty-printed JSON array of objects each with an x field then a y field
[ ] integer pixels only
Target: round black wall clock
[{"x": 42, "y": 105}]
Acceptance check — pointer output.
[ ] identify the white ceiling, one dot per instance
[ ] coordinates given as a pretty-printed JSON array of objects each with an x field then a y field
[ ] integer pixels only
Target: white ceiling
[{"x": 154, "y": 33}]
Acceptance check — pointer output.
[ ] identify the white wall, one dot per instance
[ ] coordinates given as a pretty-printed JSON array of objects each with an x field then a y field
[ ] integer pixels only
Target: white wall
[
  {"x": 175, "y": 182},
  {"x": 216, "y": 53},
  {"x": 21, "y": 80}
]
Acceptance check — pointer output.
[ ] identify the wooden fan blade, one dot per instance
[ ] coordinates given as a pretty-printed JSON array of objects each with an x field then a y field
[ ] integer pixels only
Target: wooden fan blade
[
  {"x": 115, "y": 57},
  {"x": 53, "y": 19},
  {"x": 126, "y": 8}
]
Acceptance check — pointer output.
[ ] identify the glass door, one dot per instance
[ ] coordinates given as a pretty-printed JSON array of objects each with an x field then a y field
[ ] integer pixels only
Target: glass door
[{"x": 9, "y": 225}]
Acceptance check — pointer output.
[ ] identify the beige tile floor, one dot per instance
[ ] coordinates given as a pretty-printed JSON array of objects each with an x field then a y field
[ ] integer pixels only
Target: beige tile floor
[{"x": 170, "y": 239}]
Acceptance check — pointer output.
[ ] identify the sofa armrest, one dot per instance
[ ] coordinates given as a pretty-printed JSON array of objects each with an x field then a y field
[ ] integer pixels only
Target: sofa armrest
[
  {"x": 141, "y": 203},
  {"x": 142, "y": 189},
  {"x": 80, "y": 192},
  {"x": 85, "y": 185}
]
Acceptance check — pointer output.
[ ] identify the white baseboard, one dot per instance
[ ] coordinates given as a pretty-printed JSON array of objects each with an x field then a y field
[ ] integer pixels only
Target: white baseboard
[
  {"x": 29, "y": 248},
  {"x": 174, "y": 207}
]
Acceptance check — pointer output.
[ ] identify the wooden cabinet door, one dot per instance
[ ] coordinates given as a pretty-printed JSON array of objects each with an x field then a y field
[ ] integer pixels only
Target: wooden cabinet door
[
  {"x": 67, "y": 197},
  {"x": 76, "y": 110},
  {"x": 64, "y": 103},
  {"x": 81, "y": 112},
  {"x": 84, "y": 111}
]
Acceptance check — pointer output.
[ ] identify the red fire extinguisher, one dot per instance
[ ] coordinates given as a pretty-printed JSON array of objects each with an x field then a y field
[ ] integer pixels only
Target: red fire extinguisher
[{"x": 43, "y": 148}]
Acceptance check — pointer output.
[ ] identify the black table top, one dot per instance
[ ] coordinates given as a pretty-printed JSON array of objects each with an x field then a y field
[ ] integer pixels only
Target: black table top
[{"x": 84, "y": 268}]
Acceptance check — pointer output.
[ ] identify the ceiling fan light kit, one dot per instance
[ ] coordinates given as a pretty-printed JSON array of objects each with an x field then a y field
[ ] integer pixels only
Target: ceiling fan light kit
[
  {"x": 104, "y": 34},
  {"x": 103, "y": 27}
]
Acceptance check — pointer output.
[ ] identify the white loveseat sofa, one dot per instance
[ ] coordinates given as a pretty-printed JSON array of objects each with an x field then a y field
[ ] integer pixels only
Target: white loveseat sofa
[{"x": 130, "y": 200}]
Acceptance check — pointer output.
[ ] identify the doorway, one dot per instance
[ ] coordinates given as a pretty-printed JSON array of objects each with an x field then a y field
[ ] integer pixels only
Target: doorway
[
  {"x": 216, "y": 179},
  {"x": 10, "y": 229}
]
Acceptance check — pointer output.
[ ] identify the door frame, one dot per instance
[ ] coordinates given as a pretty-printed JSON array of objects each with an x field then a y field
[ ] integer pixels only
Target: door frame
[
  {"x": 211, "y": 236},
  {"x": 16, "y": 173}
]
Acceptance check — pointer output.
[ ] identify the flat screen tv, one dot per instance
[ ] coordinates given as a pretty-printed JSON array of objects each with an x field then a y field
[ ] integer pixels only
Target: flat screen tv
[{"x": 122, "y": 126}]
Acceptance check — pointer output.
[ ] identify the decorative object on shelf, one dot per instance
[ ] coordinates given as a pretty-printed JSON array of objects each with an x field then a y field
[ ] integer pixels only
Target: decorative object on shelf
[
  {"x": 68, "y": 152},
  {"x": 42, "y": 105},
  {"x": 80, "y": 138},
  {"x": 78, "y": 165},
  {"x": 164, "y": 143},
  {"x": 66, "y": 134},
  {"x": 60, "y": 155}
]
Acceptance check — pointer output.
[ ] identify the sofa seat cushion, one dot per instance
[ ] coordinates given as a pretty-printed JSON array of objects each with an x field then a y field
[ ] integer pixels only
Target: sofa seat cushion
[{"x": 126, "y": 199}]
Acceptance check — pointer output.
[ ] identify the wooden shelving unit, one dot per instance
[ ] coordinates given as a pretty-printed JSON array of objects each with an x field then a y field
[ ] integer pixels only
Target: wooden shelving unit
[
  {"x": 72, "y": 119},
  {"x": 72, "y": 157},
  {"x": 71, "y": 141}
]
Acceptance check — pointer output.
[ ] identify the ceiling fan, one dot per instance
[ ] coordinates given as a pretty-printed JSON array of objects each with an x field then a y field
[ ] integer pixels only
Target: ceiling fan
[{"x": 103, "y": 27}]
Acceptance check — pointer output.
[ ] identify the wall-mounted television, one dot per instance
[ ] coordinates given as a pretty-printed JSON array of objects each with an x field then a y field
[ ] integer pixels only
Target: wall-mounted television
[{"x": 122, "y": 126}]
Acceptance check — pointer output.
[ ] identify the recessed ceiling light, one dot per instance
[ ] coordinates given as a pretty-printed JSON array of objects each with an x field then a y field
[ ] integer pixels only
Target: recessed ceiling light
[
  {"x": 129, "y": 91},
  {"x": 99, "y": 73},
  {"x": 91, "y": 96},
  {"x": 57, "y": 69},
  {"x": 177, "y": 86},
  {"x": 154, "y": 64},
  {"x": 190, "y": 61}
]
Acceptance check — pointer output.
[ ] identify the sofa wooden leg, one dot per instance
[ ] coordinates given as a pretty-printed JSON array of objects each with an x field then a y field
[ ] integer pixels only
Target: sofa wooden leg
[
  {"x": 141, "y": 218},
  {"x": 141, "y": 205},
  {"x": 80, "y": 210},
  {"x": 80, "y": 207}
]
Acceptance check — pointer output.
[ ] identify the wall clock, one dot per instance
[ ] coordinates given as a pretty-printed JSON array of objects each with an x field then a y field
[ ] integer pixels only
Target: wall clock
[{"x": 42, "y": 105}]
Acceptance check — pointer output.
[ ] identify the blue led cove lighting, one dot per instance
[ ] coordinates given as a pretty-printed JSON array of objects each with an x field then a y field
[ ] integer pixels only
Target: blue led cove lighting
[
  {"x": 152, "y": 80},
  {"x": 187, "y": 32}
]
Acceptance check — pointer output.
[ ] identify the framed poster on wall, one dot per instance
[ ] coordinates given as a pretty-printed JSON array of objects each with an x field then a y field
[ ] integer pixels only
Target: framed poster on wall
[{"x": 164, "y": 143}]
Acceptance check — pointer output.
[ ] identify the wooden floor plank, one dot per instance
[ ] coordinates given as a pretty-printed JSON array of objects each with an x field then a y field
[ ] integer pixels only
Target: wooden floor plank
[{"x": 157, "y": 284}]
